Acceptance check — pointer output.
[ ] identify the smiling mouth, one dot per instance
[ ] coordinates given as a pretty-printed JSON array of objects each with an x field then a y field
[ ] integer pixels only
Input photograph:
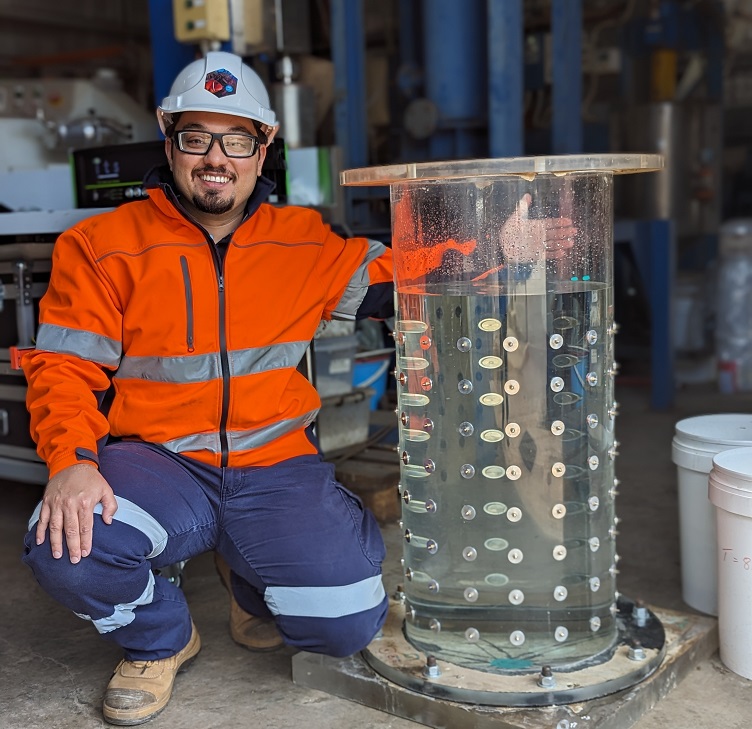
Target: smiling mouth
[{"x": 215, "y": 178}]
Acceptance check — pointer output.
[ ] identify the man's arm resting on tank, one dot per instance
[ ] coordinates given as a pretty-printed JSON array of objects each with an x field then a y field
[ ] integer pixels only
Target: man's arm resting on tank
[{"x": 68, "y": 509}]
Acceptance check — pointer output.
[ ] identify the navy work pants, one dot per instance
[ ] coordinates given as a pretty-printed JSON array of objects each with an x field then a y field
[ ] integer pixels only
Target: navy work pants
[{"x": 301, "y": 547}]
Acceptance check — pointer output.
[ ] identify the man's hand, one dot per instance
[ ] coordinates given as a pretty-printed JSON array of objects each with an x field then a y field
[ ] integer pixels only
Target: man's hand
[
  {"x": 525, "y": 239},
  {"x": 68, "y": 509}
]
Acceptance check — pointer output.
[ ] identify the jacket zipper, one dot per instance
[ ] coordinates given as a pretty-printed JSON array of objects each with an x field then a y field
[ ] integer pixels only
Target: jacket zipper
[
  {"x": 223, "y": 357},
  {"x": 188, "y": 303}
]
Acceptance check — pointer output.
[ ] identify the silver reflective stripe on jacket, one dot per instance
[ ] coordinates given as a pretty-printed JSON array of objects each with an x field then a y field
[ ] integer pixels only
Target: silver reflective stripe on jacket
[
  {"x": 358, "y": 285},
  {"x": 206, "y": 367},
  {"x": 239, "y": 440},
  {"x": 80, "y": 343}
]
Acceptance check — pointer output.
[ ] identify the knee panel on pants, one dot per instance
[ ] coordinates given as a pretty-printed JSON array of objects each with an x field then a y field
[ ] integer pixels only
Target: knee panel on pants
[{"x": 337, "y": 637}]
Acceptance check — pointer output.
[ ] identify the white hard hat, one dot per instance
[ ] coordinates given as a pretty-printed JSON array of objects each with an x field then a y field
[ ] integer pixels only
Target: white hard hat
[{"x": 220, "y": 83}]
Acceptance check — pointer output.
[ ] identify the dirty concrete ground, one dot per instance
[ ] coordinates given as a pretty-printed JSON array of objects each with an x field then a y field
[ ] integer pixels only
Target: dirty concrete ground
[{"x": 54, "y": 668}]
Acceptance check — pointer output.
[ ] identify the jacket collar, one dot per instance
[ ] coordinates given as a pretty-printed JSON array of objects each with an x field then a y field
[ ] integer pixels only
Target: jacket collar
[{"x": 160, "y": 177}]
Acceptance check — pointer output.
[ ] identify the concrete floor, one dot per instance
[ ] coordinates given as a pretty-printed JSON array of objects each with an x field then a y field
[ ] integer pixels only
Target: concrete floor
[{"x": 53, "y": 666}]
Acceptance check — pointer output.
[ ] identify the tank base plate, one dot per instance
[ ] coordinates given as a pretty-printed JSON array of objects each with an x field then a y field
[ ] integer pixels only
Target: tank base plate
[{"x": 688, "y": 640}]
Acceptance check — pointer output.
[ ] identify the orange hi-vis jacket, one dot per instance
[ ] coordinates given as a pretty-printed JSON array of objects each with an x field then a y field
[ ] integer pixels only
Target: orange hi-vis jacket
[{"x": 201, "y": 350}]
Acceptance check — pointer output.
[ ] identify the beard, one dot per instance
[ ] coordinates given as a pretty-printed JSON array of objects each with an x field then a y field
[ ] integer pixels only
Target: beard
[{"x": 211, "y": 202}]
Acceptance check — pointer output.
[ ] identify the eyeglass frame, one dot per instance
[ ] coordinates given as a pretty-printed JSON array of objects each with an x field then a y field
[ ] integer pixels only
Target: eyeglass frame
[{"x": 216, "y": 137}]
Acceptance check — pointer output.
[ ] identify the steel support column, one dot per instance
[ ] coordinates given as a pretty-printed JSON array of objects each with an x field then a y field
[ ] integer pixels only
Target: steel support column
[
  {"x": 566, "y": 70},
  {"x": 505, "y": 78}
]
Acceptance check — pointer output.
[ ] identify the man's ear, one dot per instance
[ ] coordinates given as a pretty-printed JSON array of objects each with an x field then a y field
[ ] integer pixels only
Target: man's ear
[
  {"x": 261, "y": 158},
  {"x": 169, "y": 150}
]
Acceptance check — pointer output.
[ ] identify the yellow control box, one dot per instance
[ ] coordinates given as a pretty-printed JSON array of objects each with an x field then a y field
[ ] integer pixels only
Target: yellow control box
[{"x": 198, "y": 20}]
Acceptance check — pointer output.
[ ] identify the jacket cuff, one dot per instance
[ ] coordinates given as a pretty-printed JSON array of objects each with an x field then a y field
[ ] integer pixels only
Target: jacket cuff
[{"x": 74, "y": 458}]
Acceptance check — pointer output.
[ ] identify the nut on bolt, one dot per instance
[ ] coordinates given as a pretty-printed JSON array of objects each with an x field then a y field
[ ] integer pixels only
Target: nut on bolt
[
  {"x": 640, "y": 614},
  {"x": 636, "y": 651},
  {"x": 546, "y": 678},
  {"x": 431, "y": 669}
]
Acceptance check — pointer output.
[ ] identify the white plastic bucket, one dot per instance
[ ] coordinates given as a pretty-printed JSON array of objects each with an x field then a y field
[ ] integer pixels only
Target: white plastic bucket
[
  {"x": 730, "y": 490},
  {"x": 695, "y": 443}
]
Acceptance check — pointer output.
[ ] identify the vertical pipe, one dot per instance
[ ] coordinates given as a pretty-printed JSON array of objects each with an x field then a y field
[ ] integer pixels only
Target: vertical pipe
[
  {"x": 455, "y": 67},
  {"x": 566, "y": 64},
  {"x": 348, "y": 54},
  {"x": 661, "y": 245},
  {"x": 505, "y": 78},
  {"x": 169, "y": 56},
  {"x": 407, "y": 17}
]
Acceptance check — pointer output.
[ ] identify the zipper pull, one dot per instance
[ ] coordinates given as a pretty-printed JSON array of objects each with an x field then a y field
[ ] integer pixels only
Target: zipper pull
[{"x": 221, "y": 283}]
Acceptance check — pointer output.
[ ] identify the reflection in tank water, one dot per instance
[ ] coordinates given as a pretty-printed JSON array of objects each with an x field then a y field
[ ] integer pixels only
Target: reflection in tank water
[{"x": 507, "y": 480}]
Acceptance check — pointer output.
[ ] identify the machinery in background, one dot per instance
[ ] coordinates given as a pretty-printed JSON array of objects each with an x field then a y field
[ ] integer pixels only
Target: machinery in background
[
  {"x": 110, "y": 176},
  {"x": 43, "y": 120},
  {"x": 26, "y": 241}
]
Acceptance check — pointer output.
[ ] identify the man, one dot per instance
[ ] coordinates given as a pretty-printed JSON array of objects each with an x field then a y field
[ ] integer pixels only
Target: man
[{"x": 195, "y": 306}]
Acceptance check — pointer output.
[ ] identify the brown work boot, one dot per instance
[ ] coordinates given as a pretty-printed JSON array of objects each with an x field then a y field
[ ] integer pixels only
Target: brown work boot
[
  {"x": 254, "y": 633},
  {"x": 139, "y": 690}
]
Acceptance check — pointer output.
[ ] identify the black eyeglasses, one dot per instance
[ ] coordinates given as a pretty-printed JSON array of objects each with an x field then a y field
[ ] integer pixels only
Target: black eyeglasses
[{"x": 192, "y": 141}]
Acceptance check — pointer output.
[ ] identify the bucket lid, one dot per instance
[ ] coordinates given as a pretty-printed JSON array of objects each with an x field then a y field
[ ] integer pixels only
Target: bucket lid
[
  {"x": 730, "y": 481},
  {"x": 721, "y": 429},
  {"x": 735, "y": 465},
  {"x": 699, "y": 438}
]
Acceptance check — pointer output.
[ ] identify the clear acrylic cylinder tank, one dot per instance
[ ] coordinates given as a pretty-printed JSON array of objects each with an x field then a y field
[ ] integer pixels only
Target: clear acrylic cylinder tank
[{"x": 505, "y": 385}]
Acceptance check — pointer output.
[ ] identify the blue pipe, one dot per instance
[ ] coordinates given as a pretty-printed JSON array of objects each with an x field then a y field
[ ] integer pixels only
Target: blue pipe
[
  {"x": 169, "y": 56},
  {"x": 566, "y": 25},
  {"x": 348, "y": 54},
  {"x": 455, "y": 67},
  {"x": 505, "y": 79}
]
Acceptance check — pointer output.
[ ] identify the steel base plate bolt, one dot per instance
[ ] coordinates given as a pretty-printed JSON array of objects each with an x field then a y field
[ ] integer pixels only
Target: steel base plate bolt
[
  {"x": 640, "y": 614},
  {"x": 546, "y": 678},
  {"x": 431, "y": 669},
  {"x": 636, "y": 651}
]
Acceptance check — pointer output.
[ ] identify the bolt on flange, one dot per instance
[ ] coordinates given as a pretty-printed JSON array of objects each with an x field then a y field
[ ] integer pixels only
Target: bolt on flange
[{"x": 431, "y": 669}]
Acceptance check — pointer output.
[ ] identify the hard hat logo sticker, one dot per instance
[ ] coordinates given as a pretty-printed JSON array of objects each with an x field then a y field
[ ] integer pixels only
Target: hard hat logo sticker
[{"x": 221, "y": 83}]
